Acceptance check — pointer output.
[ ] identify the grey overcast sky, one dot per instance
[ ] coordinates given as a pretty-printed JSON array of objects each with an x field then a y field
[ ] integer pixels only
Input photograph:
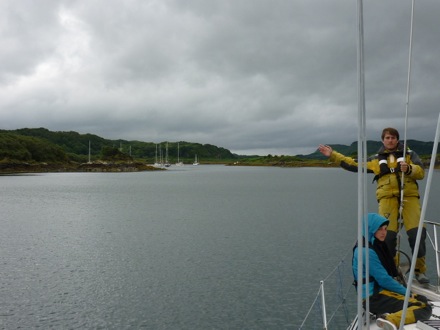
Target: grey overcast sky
[{"x": 253, "y": 76}]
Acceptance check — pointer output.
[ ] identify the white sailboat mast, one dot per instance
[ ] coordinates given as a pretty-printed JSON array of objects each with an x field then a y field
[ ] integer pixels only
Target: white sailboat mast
[{"x": 362, "y": 164}]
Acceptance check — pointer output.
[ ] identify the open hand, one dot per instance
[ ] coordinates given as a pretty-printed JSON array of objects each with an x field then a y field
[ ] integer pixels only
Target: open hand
[{"x": 325, "y": 150}]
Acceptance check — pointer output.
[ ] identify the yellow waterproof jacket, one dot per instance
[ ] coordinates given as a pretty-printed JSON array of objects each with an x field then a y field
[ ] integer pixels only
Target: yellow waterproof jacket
[{"x": 388, "y": 182}]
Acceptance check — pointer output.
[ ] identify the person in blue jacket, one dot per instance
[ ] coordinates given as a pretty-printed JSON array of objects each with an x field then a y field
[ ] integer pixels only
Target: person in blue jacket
[{"x": 386, "y": 293}]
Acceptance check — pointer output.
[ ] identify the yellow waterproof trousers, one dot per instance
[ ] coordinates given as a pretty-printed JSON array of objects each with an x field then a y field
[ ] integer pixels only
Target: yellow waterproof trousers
[
  {"x": 390, "y": 302},
  {"x": 389, "y": 208}
]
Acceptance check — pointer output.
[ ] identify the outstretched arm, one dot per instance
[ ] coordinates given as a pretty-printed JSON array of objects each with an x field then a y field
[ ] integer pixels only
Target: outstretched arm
[{"x": 347, "y": 163}]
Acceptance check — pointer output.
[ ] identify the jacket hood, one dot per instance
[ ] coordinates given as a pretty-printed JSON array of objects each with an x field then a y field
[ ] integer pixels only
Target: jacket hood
[{"x": 375, "y": 221}]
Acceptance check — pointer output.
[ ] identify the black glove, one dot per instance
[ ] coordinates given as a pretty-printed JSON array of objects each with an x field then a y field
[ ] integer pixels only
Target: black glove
[
  {"x": 399, "y": 156},
  {"x": 383, "y": 164}
]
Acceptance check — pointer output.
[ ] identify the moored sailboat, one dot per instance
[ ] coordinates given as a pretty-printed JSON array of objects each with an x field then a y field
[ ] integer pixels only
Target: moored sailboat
[
  {"x": 196, "y": 162},
  {"x": 156, "y": 162},
  {"x": 167, "y": 163},
  {"x": 179, "y": 163}
]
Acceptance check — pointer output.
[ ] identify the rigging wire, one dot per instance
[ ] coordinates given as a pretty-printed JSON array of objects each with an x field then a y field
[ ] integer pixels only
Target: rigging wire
[
  {"x": 408, "y": 87},
  {"x": 338, "y": 276}
]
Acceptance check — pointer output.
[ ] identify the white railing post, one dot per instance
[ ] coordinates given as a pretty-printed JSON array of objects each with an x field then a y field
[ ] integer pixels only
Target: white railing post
[{"x": 324, "y": 312}]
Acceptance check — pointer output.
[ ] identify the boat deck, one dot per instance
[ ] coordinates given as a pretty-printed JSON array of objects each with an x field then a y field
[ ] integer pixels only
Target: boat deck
[
  {"x": 435, "y": 312},
  {"x": 430, "y": 291}
]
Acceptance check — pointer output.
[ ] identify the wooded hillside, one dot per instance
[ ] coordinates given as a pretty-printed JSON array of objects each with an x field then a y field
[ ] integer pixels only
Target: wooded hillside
[{"x": 42, "y": 145}]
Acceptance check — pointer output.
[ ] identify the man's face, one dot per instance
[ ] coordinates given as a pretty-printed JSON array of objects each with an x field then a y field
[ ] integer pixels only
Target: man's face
[
  {"x": 390, "y": 142},
  {"x": 381, "y": 233}
]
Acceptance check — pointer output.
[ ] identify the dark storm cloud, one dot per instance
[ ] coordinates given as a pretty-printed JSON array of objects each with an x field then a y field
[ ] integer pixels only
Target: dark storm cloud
[{"x": 255, "y": 77}]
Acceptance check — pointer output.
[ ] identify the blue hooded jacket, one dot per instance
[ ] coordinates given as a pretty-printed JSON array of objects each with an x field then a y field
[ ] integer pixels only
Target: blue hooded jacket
[{"x": 377, "y": 270}]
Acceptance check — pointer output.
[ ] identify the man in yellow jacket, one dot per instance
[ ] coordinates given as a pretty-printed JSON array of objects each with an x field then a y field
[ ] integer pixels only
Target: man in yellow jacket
[{"x": 388, "y": 165}]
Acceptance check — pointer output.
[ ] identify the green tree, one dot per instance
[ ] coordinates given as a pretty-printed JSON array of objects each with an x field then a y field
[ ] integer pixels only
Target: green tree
[{"x": 113, "y": 154}]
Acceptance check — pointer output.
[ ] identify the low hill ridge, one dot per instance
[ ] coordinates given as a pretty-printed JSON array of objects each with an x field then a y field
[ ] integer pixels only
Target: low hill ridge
[{"x": 43, "y": 145}]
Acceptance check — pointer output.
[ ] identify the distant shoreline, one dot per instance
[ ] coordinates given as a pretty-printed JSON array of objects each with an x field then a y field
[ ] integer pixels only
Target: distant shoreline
[
  {"x": 14, "y": 168},
  {"x": 115, "y": 167},
  {"x": 110, "y": 167}
]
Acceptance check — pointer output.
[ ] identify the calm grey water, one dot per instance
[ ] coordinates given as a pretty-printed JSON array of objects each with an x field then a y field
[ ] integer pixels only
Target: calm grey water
[{"x": 196, "y": 247}]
